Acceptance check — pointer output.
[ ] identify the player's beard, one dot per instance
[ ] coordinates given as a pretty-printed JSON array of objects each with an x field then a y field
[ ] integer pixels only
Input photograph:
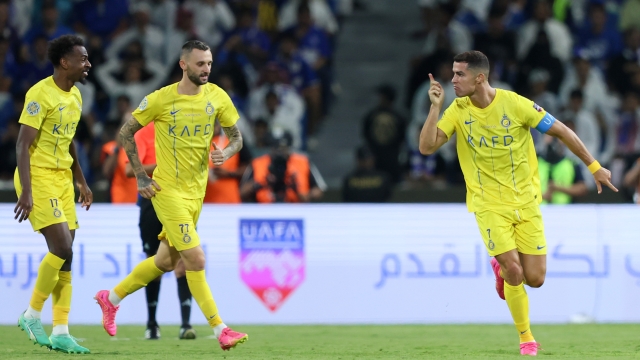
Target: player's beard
[{"x": 195, "y": 78}]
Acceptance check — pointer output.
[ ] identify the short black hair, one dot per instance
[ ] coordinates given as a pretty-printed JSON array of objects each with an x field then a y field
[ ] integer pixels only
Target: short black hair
[
  {"x": 576, "y": 94},
  {"x": 475, "y": 60},
  {"x": 188, "y": 47},
  {"x": 62, "y": 46}
]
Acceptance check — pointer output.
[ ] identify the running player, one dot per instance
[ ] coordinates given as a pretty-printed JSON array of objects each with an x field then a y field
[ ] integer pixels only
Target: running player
[
  {"x": 150, "y": 226},
  {"x": 184, "y": 114},
  {"x": 48, "y": 163},
  {"x": 500, "y": 168}
]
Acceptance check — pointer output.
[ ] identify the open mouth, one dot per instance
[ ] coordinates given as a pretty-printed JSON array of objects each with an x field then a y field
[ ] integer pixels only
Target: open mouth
[
  {"x": 204, "y": 78},
  {"x": 85, "y": 73}
]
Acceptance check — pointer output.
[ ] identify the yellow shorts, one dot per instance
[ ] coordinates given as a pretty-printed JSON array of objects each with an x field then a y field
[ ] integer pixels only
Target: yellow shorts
[
  {"x": 53, "y": 197},
  {"x": 179, "y": 218},
  {"x": 505, "y": 230}
]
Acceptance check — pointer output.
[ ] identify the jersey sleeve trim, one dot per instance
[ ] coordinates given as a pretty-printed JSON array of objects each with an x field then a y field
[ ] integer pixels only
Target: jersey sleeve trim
[{"x": 545, "y": 123}]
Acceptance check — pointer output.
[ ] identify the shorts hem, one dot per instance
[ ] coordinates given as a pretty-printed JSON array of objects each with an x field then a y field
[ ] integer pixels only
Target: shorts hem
[{"x": 53, "y": 223}]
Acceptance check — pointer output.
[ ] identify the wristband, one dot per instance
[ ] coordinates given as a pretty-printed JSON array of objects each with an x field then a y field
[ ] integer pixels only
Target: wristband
[{"x": 595, "y": 166}]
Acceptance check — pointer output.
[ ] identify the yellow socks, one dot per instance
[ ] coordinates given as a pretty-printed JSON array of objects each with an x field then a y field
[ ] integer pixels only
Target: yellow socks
[
  {"x": 61, "y": 297},
  {"x": 201, "y": 292},
  {"x": 142, "y": 274},
  {"x": 518, "y": 303},
  {"x": 46, "y": 280}
]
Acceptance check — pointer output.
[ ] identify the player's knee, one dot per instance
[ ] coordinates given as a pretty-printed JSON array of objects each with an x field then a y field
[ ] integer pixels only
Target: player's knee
[
  {"x": 535, "y": 281},
  {"x": 63, "y": 252},
  {"x": 193, "y": 259},
  {"x": 513, "y": 273},
  {"x": 164, "y": 264}
]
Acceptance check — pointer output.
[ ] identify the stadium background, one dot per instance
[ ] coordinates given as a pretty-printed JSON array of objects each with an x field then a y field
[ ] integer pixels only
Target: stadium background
[{"x": 360, "y": 55}]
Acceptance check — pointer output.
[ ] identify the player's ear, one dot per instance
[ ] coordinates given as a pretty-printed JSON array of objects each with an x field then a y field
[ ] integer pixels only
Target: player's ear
[{"x": 183, "y": 64}]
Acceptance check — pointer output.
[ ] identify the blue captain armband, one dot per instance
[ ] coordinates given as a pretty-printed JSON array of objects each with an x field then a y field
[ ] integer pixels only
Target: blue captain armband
[{"x": 545, "y": 124}]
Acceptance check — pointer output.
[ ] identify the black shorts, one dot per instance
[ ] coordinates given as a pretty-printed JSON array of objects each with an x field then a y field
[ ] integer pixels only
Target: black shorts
[{"x": 150, "y": 227}]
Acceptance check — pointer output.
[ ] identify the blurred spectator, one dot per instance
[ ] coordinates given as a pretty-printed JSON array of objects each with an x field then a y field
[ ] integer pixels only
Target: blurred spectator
[
  {"x": 263, "y": 138},
  {"x": 315, "y": 49},
  {"x": 282, "y": 176},
  {"x": 8, "y": 139},
  {"x": 540, "y": 56},
  {"x": 631, "y": 181},
  {"x": 246, "y": 47},
  {"x": 624, "y": 69},
  {"x": 600, "y": 39},
  {"x": 556, "y": 32},
  {"x": 36, "y": 65},
  {"x": 561, "y": 179},
  {"x": 585, "y": 124},
  {"x": 135, "y": 78},
  {"x": 365, "y": 184},
  {"x": 628, "y": 130},
  {"x": 303, "y": 78},
  {"x": 184, "y": 31},
  {"x": 114, "y": 160},
  {"x": 630, "y": 15},
  {"x": 320, "y": 13},
  {"x": 49, "y": 26},
  {"x": 106, "y": 19},
  {"x": 498, "y": 43},
  {"x": 590, "y": 81},
  {"x": 286, "y": 117},
  {"x": 447, "y": 27},
  {"x": 83, "y": 140},
  {"x": 150, "y": 36},
  {"x": 224, "y": 180},
  {"x": 540, "y": 94},
  {"x": 212, "y": 19},
  {"x": 164, "y": 14},
  {"x": 384, "y": 131},
  {"x": 430, "y": 169},
  {"x": 226, "y": 83},
  {"x": 122, "y": 110},
  {"x": 7, "y": 30},
  {"x": 21, "y": 15},
  {"x": 6, "y": 102}
]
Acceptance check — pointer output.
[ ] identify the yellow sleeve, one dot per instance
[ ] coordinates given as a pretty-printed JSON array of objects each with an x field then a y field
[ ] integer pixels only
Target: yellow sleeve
[
  {"x": 148, "y": 110},
  {"x": 227, "y": 113},
  {"x": 35, "y": 108},
  {"x": 448, "y": 121},
  {"x": 534, "y": 115}
]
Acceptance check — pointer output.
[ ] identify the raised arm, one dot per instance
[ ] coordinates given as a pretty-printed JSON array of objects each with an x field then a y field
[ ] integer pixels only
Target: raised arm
[
  {"x": 432, "y": 138},
  {"x": 573, "y": 142},
  {"x": 147, "y": 187}
]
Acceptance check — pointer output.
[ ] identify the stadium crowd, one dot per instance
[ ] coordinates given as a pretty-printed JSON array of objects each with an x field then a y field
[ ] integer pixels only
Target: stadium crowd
[
  {"x": 579, "y": 59},
  {"x": 273, "y": 57}
]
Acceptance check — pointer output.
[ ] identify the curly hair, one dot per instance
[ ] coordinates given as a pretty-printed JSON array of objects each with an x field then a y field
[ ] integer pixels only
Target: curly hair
[{"x": 62, "y": 46}]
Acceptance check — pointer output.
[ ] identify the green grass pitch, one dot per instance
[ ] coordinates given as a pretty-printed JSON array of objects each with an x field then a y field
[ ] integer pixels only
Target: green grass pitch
[{"x": 345, "y": 342}]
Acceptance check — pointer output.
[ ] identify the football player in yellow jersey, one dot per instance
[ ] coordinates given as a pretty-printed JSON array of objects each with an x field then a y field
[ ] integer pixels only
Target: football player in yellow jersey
[
  {"x": 47, "y": 164},
  {"x": 184, "y": 115},
  {"x": 499, "y": 163}
]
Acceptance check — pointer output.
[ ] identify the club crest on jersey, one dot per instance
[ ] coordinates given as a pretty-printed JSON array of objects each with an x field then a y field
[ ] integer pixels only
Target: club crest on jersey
[
  {"x": 57, "y": 213},
  {"x": 209, "y": 109},
  {"x": 33, "y": 108},
  {"x": 505, "y": 122},
  {"x": 537, "y": 107},
  {"x": 186, "y": 238},
  {"x": 143, "y": 104}
]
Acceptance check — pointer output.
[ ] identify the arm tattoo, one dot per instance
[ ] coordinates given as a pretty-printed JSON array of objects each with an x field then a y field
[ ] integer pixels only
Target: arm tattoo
[
  {"x": 129, "y": 146},
  {"x": 235, "y": 141}
]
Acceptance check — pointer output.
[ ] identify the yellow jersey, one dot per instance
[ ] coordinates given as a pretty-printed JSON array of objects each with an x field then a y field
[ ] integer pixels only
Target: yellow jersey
[
  {"x": 496, "y": 150},
  {"x": 184, "y": 128},
  {"x": 55, "y": 113}
]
